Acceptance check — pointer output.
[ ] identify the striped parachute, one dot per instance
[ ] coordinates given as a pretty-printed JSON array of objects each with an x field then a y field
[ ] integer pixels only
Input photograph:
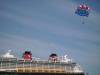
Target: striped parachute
[{"x": 82, "y": 10}]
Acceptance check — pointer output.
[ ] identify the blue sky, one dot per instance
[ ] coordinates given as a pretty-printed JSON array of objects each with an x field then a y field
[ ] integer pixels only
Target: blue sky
[{"x": 47, "y": 26}]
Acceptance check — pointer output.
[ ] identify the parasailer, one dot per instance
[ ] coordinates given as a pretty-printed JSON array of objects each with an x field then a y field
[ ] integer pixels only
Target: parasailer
[{"x": 82, "y": 10}]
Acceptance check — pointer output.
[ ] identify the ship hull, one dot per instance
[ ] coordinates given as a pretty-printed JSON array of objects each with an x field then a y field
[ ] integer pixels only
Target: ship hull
[{"x": 21, "y": 73}]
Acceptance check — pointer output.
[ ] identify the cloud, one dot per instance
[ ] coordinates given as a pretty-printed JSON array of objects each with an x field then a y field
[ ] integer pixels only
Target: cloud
[
  {"x": 54, "y": 28},
  {"x": 51, "y": 26}
]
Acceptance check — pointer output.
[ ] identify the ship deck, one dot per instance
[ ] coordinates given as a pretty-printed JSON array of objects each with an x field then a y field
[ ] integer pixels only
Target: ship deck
[{"x": 37, "y": 67}]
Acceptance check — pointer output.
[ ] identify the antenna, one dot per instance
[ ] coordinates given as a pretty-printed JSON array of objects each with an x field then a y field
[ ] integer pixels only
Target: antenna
[{"x": 9, "y": 51}]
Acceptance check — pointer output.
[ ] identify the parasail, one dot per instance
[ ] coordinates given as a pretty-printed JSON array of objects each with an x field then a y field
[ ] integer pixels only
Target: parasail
[{"x": 82, "y": 10}]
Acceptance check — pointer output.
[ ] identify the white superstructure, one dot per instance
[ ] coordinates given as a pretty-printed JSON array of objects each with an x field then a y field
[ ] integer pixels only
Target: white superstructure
[
  {"x": 65, "y": 59},
  {"x": 64, "y": 64},
  {"x": 8, "y": 55}
]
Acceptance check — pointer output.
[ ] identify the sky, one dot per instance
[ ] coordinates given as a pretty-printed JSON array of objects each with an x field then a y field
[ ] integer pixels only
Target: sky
[{"x": 51, "y": 26}]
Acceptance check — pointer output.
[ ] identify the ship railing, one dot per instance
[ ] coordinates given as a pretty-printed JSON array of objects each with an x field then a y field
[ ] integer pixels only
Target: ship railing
[{"x": 37, "y": 66}]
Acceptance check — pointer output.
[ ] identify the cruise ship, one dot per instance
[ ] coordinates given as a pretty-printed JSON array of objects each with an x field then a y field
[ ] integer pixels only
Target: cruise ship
[{"x": 28, "y": 65}]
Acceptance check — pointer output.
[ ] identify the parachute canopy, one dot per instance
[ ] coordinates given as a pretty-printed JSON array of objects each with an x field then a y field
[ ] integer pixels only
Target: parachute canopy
[{"x": 82, "y": 10}]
